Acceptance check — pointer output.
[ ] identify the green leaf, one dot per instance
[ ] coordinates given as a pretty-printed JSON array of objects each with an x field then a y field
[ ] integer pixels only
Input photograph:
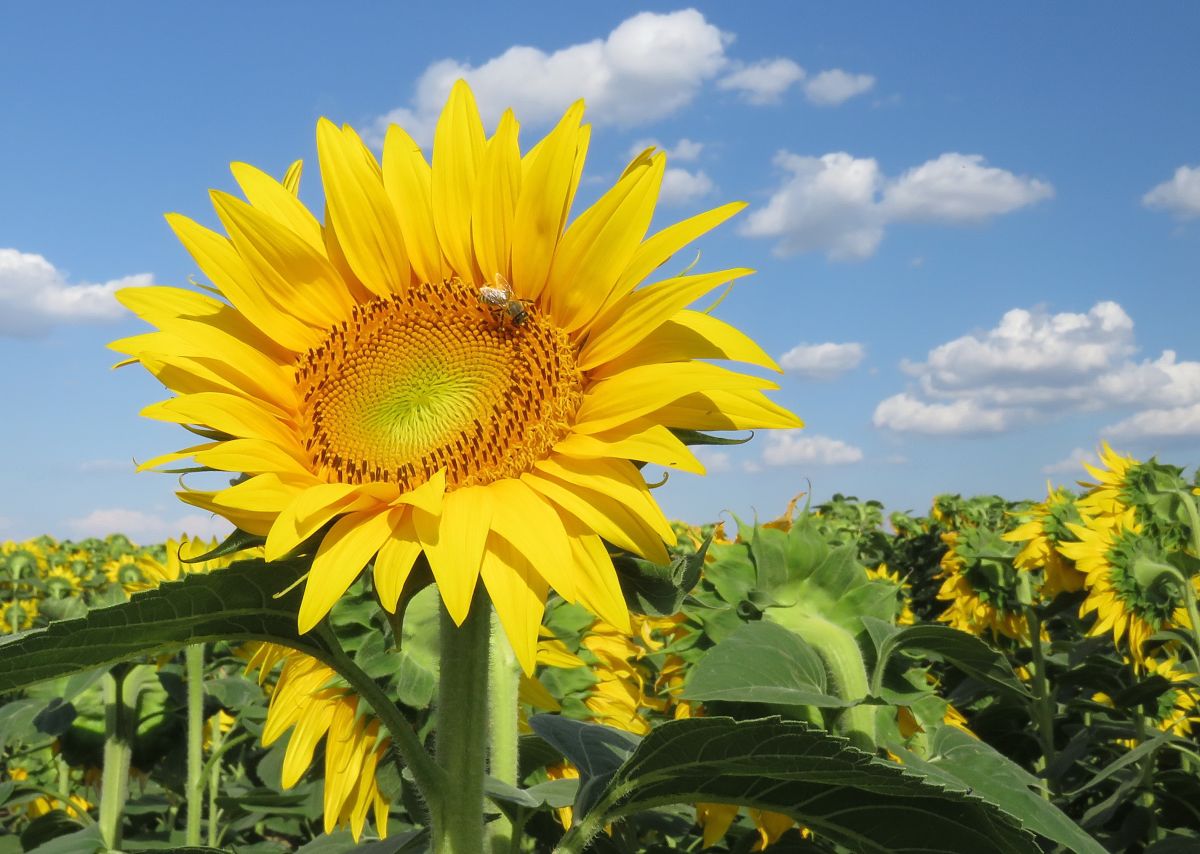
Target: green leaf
[
  {"x": 596, "y": 750},
  {"x": 959, "y": 761},
  {"x": 966, "y": 652},
  {"x": 844, "y": 795},
  {"x": 695, "y": 437},
  {"x": 234, "y": 604},
  {"x": 762, "y": 663},
  {"x": 660, "y": 590}
]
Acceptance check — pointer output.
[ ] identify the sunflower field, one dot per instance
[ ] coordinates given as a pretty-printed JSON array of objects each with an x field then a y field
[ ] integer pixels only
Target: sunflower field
[{"x": 452, "y": 616}]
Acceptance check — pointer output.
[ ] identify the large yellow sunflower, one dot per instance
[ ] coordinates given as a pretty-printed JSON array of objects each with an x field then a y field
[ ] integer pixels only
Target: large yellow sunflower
[
  {"x": 445, "y": 366},
  {"x": 1107, "y": 497},
  {"x": 1041, "y": 533}
]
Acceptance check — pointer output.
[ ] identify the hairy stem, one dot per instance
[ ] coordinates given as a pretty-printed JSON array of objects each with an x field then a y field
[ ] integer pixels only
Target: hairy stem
[
  {"x": 193, "y": 657},
  {"x": 121, "y": 687}
]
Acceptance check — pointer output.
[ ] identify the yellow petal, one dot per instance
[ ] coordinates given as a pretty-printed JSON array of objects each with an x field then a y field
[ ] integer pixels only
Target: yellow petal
[
  {"x": 457, "y": 149},
  {"x": 228, "y": 272},
  {"x": 618, "y": 479},
  {"x": 640, "y": 390},
  {"x": 597, "y": 247},
  {"x": 308, "y": 512},
  {"x": 227, "y": 413},
  {"x": 518, "y": 594},
  {"x": 395, "y": 562},
  {"x": 496, "y": 199},
  {"x": 360, "y": 210},
  {"x": 293, "y": 274},
  {"x": 596, "y": 581},
  {"x": 351, "y": 542},
  {"x": 310, "y": 729},
  {"x": 291, "y": 178},
  {"x": 546, "y": 189},
  {"x": 253, "y": 456},
  {"x": 275, "y": 200},
  {"x": 633, "y": 318},
  {"x": 453, "y": 543},
  {"x": 408, "y": 181},
  {"x": 523, "y": 518},
  {"x": 686, "y": 336},
  {"x": 263, "y": 493},
  {"x": 725, "y": 410},
  {"x": 652, "y": 443},
  {"x": 428, "y": 496}
]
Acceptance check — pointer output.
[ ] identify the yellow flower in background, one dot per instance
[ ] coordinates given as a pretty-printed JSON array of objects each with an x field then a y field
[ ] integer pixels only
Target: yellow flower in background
[
  {"x": 445, "y": 366},
  {"x": 1106, "y": 552},
  {"x": 905, "y": 617},
  {"x": 181, "y": 561},
  {"x": 1042, "y": 534},
  {"x": 18, "y": 614},
  {"x": 1107, "y": 497},
  {"x": 971, "y": 610},
  {"x": 311, "y": 697}
]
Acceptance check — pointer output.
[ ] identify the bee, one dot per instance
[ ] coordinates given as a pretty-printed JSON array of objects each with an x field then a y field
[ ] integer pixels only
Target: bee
[{"x": 500, "y": 296}]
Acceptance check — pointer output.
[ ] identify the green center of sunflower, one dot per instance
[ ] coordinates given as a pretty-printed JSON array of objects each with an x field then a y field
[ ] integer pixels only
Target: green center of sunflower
[{"x": 435, "y": 379}]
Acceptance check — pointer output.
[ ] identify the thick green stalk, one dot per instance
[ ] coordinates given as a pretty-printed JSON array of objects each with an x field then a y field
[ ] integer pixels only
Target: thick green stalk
[
  {"x": 193, "y": 657},
  {"x": 462, "y": 729},
  {"x": 213, "y": 769},
  {"x": 121, "y": 687},
  {"x": 503, "y": 684},
  {"x": 844, "y": 668},
  {"x": 1043, "y": 700}
]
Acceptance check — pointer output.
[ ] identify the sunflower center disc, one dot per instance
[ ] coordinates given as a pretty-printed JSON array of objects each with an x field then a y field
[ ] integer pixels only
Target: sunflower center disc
[{"x": 433, "y": 379}]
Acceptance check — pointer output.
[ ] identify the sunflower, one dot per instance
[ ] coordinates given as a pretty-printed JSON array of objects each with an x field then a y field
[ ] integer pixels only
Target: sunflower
[
  {"x": 905, "y": 617},
  {"x": 1108, "y": 497},
  {"x": 181, "y": 560},
  {"x": 62, "y": 583},
  {"x": 1107, "y": 552},
  {"x": 311, "y": 697},
  {"x": 980, "y": 588},
  {"x": 442, "y": 367},
  {"x": 18, "y": 614},
  {"x": 1041, "y": 533}
]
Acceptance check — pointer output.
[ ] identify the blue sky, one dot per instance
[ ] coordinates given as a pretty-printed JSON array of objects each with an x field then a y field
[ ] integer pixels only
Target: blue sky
[{"x": 977, "y": 237}]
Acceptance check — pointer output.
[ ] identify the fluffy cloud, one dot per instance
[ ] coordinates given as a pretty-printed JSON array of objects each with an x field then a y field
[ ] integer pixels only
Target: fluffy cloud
[
  {"x": 959, "y": 188},
  {"x": 648, "y": 67},
  {"x": 680, "y": 186},
  {"x": 764, "y": 82},
  {"x": 145, "y": 527},
  {"x": 792, "y": 448},
  {"x": 833, "y": 87},
  {"x": 714, "y": 461},
  {"x": 34, "y": 296},
  {"x": 1034, "y": 365},
  {"x": 822, "y": 361},
  {"x": 905, "y": 413},
  {"x": 684, "y": 151},
  {"x": 827, "y": 203},
  {"x": 1072, "y": 463},
  {"x": 841, "y": 204},
  {"x": 1179, "y": 196}
]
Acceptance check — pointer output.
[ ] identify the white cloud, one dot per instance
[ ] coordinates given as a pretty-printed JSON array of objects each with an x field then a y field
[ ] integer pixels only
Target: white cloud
[
  {"x": 715, "y": 462},
  {"x": 648, "y": 67},
  {"x": 146, "y": 527},
  {"x": 826, "y": 203},
  {"x": 1174, "y": 422},
  {"x": 34, "y": 296},
  {"x": 792, "y": 447},
  {"x": 680, "y": 186},
  {"x": 959, "y": 188},
  {"x": 833, "y": 87},
  {"x": 1036, "y": 366},
  {"x": 684, "y": 151},
  {"x": 841, "y": 204},
  {"x": 1179, "y": 196},
  {"x": 905, "y": 413},
  {"x": 765, "y": 81},
  {"x": 1072, "y": 463},
  {"x": 823, "y": 361}
]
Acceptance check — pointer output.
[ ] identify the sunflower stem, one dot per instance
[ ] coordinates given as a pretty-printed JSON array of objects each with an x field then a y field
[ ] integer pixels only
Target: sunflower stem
[
  {"x": 121, "y": 686},
  {"x": 503, "y": 684},
  {"x": 1043, "y": 699},
  {"x": 1189, "y": 587},
  {"x": 193, "y": 657},
  {"x": 462, "y": 728}
]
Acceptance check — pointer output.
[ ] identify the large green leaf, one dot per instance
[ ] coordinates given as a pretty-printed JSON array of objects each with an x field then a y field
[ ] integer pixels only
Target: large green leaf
[
  {"x": 761, "y": 663},
  {"x": 966, "y": 652},
  {"x": 959, "y": 761},
  {"x": 236, "y": 603},
  {"x": 843, "y": 794}
]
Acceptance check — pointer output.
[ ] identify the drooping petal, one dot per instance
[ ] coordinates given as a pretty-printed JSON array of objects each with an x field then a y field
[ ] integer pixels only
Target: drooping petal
[
  {"x": 351, "y": 542},
  {"x": 453, "y": 543},
  {"x": 518, "y": 593},
  {"x": 653, "y": 443},
  {"x": 274, "y": 199},
  {"x": 395, "y": 562}
]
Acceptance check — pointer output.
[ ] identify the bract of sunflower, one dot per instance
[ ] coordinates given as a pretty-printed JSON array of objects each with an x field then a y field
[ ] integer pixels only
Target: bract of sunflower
[
  {"x": 1124, "y": 482},
  {"x": 1107, "y": 552},
  {"x": 444, "y": 366},
  {"x": 1041, "y": 532}
]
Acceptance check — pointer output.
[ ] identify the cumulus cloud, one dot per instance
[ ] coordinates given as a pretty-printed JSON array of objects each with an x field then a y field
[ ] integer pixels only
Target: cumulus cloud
[
  {"x": 841, "y": 204},
  {"x": 684, "y": 151},
  {"x": 1179, "y": 196},
  {"x": 959, "y": 188},
  {"x": 1035, "y": 366},
  {"x": 715, "y": 462},
  {"x": 833, "y": 87},
  {"x": 680, "y": 186},
  {"x": 822, "y": 361},
  {"x": 763, "y": 82},
  {"x": 648, "y": 67},
  {"x": 35, "y": 296},
  {"x": 792, "y": 448},
  {"x": 144, "y": 527}
]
